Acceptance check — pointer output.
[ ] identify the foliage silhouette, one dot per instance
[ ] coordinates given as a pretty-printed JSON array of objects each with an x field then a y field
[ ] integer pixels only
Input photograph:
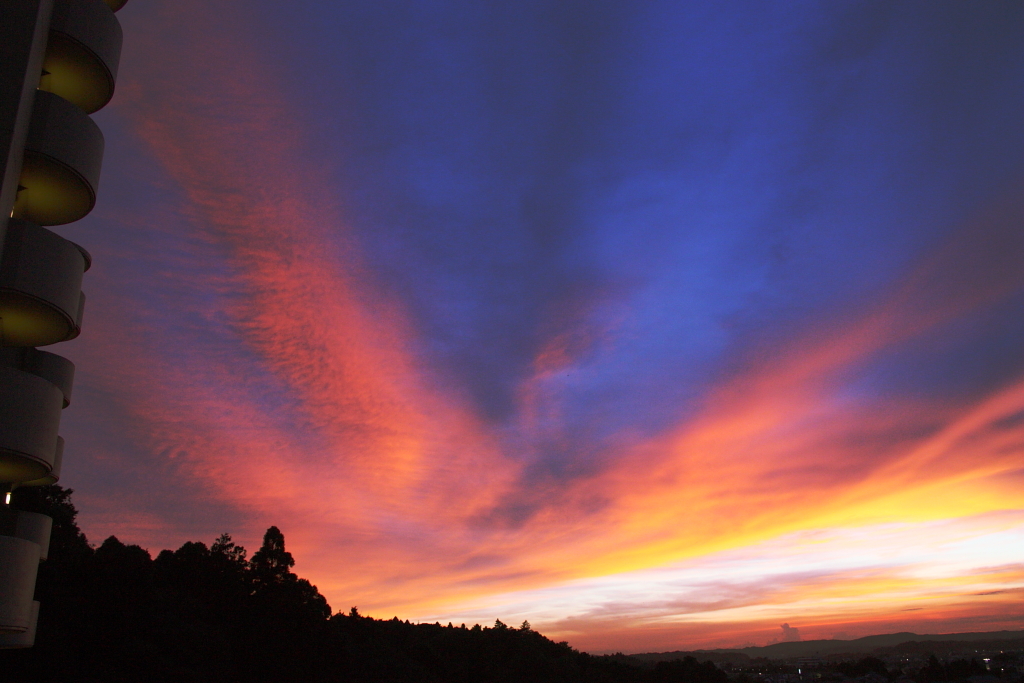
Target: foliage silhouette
[{"x": 199, "y": 613}]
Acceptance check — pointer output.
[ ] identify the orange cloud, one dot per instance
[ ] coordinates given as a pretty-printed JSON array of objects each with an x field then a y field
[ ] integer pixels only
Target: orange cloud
[
  {"x": 323, "y": 419},
  {"x": 371, "y": 446},
  {"x": 786, "y": 445}
]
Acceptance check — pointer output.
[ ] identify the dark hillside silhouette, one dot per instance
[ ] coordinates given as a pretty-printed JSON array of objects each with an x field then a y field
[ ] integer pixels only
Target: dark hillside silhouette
[{"x": 114, "y": 613}]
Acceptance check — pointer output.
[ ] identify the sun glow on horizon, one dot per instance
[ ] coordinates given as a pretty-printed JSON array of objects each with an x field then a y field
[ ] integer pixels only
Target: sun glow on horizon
[
  {"x": 839, "y": 469},
  {"x": 812, "y": 577}
]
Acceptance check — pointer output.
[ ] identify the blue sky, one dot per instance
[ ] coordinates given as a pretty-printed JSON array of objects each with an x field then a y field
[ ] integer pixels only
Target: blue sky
[{"x": 480, "y": 300}]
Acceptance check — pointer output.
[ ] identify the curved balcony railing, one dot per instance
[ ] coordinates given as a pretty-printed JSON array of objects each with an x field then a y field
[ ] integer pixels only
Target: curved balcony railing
[
  {"x": 31, "y": 526},
  {"x": 27, "y": 638},
  {"x": 41, "y": 300},
  {"x": 61, "y": 167},
  {"x": 19, "y": 562},
  {"x": 57, "y": 370},
  {"x": 53, "y": 476},
  {"x": 82, "y": 53},
  {"x": 28, "y": 433}
]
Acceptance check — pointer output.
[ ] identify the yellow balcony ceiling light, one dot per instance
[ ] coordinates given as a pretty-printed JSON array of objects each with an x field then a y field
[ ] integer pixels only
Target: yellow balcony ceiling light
[
  {"x": 82, "y": 53},
  {"x": 28, "y": 433},
  {"x": 54, "y": 475},
  {"x": 41, "y": 300},
  {"x": 61, "y": 167}
]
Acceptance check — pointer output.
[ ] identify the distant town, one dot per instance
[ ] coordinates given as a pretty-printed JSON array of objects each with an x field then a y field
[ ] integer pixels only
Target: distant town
[
  {"x": 891, "y": 658},
  {"x": 114, "y": 612}
]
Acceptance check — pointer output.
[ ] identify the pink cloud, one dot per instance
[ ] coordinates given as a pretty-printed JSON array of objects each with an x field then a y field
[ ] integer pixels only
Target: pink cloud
[{"x": 384, "y": 477}]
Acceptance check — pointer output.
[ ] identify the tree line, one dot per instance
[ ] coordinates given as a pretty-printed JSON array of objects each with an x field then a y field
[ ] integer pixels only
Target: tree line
[{"x": 201, "y": 613}]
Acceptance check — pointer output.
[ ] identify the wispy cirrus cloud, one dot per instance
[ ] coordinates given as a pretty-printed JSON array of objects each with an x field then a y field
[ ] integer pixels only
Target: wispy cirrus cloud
[
  {"x": 273, "y": 374},
  {"x": 816, "y": 579}
]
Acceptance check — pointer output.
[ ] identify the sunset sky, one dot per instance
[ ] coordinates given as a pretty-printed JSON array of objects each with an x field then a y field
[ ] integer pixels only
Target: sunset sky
[{"x": 658, "y": 324}]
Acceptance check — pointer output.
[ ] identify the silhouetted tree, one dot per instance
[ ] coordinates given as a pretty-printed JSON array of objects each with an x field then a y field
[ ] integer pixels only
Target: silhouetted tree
[
  {"x": 232, "y": 554},
  {"x": 65, "y": 538},
  {"x": 272, "y": 563},
  {"x": 206, "y": 613}
]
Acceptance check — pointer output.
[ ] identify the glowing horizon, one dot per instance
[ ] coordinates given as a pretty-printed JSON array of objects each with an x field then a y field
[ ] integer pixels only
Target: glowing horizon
[{"x": 476, "y": 364}]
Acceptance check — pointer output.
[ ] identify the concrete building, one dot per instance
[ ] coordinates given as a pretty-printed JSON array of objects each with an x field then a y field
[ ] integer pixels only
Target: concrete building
[{"x": 58, "y": 65}]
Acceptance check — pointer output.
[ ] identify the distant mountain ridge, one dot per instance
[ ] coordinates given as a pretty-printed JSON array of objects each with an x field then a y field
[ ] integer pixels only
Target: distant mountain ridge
[{"x": 821, "y": 648}]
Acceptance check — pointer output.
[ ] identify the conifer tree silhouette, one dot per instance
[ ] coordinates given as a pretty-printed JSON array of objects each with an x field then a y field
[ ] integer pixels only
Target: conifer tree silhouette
[{"x": 272, "y": 564}]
